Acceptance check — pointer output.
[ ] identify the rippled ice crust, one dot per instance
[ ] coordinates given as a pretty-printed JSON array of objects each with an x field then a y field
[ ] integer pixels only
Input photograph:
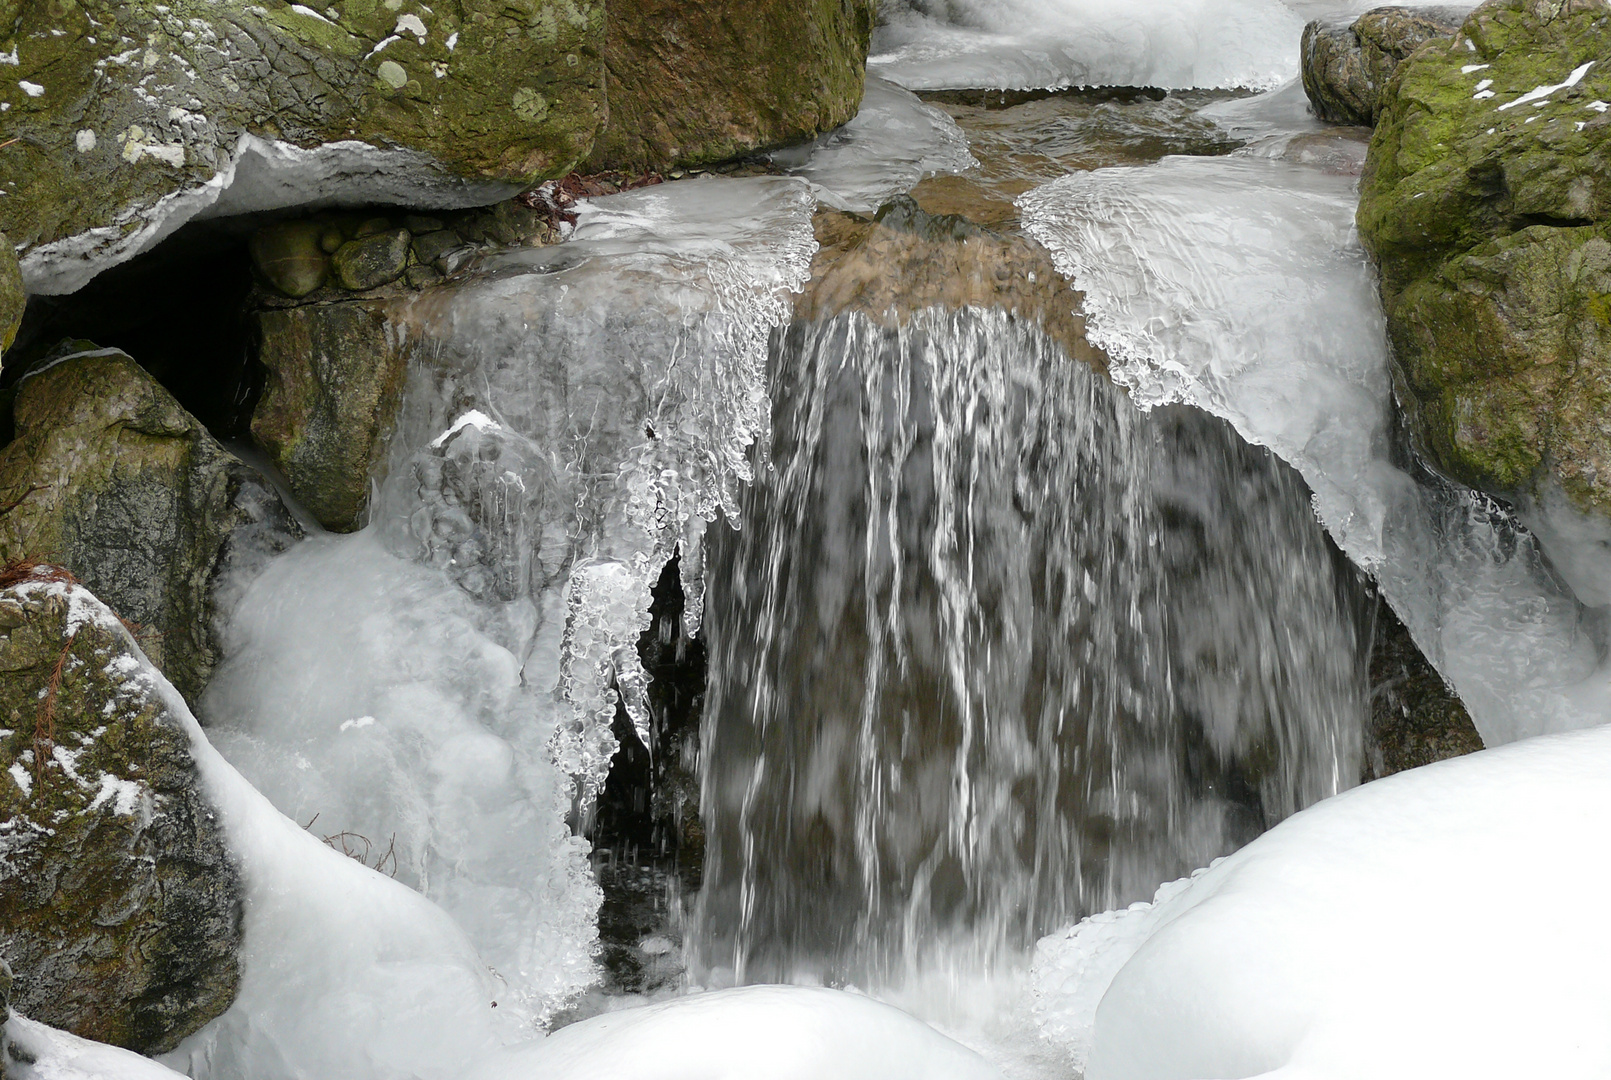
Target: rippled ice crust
[
  {"x": 1238, "y": 285},
  {"x": 1029, "y": 44},
  {"x": 894, "y": 141},
  {"x": 439, "y": 688}
]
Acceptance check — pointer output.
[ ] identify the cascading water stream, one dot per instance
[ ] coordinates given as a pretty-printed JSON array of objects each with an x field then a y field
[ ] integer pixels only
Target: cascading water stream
[{"x": 995, "y": 650}]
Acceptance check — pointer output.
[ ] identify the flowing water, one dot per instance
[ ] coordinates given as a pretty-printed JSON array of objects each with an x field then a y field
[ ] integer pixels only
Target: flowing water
[
  {"x": 995, "y": 650},
  {"x": 996, "y": 640}
]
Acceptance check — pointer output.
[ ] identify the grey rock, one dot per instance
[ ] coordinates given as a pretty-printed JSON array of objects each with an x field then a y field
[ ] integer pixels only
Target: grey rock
[
  {"x": 433, "y": 245},
  {"x": 110, "y": 477},
  {"x": 334, "y": 381},
  {"x": 1347, "y": 65},
  {"x": 121, "y": 902}
]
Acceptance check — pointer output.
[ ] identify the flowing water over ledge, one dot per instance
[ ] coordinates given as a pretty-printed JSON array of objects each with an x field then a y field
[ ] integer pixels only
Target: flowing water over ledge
[
  {"x": 994, "y": 647},
  {"x": 996, "y": 650}
]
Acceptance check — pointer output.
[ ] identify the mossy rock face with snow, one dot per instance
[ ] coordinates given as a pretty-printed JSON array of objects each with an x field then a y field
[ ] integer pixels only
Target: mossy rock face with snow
[
  {"x": 1347, "y": 65},
  {"x": 12, "y": 298},
  {"x": 120, "y": 901},
  {"x": 694, "y": 83},
  {"x": 112, "y": 478},
  {"x": 115, "y": 106},
  {"x": 1486, "y": 201}
]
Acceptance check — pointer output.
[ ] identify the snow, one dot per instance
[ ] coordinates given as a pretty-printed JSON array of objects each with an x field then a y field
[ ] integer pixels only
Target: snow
[
  {"x": 1436, "y": 923},
  {"x": 582, "y": 411},
  {"x": 776, "y": 1032},
  {"x": 1540, "y": 94}
]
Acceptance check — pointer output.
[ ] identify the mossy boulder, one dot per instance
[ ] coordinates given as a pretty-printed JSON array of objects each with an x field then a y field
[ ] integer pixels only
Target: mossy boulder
[
  {"x": 1486, "y": 202},
  {"x": 12, "y": 297},
  {"x": 693, "y": 83},
  {"x": 334, "y": 381},
  {"x": 111, "y": 478},
  {"x": 1346, "y": 65},
  {"x": 120, "y": 901},
  {"x": 125, "y": 116}
]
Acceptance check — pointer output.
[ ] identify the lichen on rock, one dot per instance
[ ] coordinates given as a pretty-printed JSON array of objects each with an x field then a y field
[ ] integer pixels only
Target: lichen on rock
[
  {"x": 1486, "y": 201},
  {"x": 111, "y": 478},
  {"x": 144, "y": 103},
  {"x": 121, "y": 902}
]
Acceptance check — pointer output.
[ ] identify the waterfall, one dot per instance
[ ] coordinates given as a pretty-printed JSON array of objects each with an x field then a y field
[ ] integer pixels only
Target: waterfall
[{"x": 995, "y": 649}]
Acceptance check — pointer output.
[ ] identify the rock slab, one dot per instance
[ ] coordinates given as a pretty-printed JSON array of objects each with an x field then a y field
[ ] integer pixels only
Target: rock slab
[{"x": 121, "y": 902}]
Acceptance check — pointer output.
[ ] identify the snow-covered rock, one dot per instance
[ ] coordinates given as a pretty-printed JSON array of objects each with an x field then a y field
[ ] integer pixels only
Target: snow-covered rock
[
  {"x": 1441, "y": 922},
  {"x": 753, "y": 1032}
]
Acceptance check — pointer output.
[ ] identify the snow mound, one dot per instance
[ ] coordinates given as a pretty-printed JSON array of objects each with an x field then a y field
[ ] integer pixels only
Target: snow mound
[
  {"x": 751, "y": 1033},
  {"x": 40, "y": 1052},
  {"x": 1430, "y": 924}
]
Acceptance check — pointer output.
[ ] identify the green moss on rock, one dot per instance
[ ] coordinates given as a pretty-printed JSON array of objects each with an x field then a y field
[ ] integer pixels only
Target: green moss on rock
[
  {"x": 693, "y": 83},
  {"x": 110, "y": 477},
  {"x": 119, "y": 898},
  {"x": 1486, "y": 201}
]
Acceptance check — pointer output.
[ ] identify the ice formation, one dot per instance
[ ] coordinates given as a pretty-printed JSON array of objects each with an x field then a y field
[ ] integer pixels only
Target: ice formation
[
  {"x": 894, "y": 141},
  {"x": 982, "y": 612},
  {"x": 1429, "y": 924},
  {"x": 435, "y": 695},
  {"x": 776, "y": 1032},
  {"x": 1237, "y": 284}
]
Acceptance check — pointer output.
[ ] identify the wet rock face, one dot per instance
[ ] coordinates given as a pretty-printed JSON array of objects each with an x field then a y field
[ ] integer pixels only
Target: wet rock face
[
  {"x": 1486, "y": 201},
  {"x": 1416, "y": 718},
  {"x": 125, "y": 103},
  {"x": 1347, "y": 65},
  {"x": 120, "y": 901},
  {"x": 905, "y": 260},
  {"x": 692, "y": 83},
  {"x": 110, "y": 477}
]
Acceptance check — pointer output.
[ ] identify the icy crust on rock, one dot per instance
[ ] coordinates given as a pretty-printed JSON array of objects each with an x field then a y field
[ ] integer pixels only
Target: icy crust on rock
[
  {"x": 777, "y": 1032},
  {"x": 375, "y": 702},
  {"x": 1030, "y": 44},
  {"x": 1237, "y": 284},
  {"x": 261, "y": 174},
  {"x": 1341, "y": 943},
  {"x": 439, "y": 689},
  {"x": 894, "y": 142}
]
